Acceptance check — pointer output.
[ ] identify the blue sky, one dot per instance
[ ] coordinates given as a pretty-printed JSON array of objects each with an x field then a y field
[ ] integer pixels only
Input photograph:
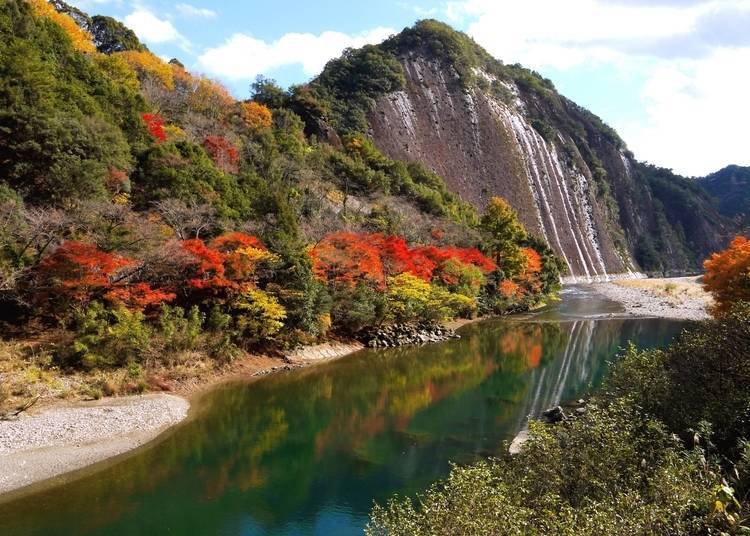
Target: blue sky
[{"x": 670, "y": 75}]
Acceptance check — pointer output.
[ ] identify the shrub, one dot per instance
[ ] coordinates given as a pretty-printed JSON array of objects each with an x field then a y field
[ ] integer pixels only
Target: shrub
[
  {"x": 704, "y": 377},
  {"x": 178, "y": 330},
  {"x": 107, "y": 338},
  {"x": 410, "y": 297},
  {"x": 561, "y": 483},
  {"x": 357, "y": 308},
  {"x": 257, "y": 315}
]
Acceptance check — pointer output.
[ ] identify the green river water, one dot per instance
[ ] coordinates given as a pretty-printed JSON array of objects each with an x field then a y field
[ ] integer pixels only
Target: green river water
[{"x": 308, "y": 451}]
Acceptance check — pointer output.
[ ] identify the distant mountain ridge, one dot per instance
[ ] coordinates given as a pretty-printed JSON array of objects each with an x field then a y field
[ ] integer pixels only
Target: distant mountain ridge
[{"x": 731, "y": 187}]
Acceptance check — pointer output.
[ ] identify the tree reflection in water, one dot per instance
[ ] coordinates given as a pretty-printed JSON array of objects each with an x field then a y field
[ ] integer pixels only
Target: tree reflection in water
[{"x": 309, "y": 451}]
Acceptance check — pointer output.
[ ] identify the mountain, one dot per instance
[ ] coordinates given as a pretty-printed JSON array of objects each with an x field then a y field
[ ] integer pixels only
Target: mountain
[
  {"x": 731, "y": 187},
  {"x": 432, "y": 95},
  {"x": 413, "y": 136}
]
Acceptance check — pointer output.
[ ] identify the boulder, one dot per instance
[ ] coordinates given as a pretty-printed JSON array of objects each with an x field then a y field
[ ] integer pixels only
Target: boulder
[{"x": 553, "y": 415}]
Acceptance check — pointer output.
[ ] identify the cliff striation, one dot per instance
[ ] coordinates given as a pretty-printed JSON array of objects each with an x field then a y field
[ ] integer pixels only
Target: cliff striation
[{"x": 491, "y": 129}]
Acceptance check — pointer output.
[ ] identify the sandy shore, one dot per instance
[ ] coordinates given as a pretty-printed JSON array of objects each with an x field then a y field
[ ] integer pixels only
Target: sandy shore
[
  {"x": 52, "y": 441},
  {"x": 680, "y": 297}
]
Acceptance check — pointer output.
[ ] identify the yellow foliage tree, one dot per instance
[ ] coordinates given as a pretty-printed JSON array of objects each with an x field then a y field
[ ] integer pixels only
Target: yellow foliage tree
[
  {"x": 411, "y": 297},
  {"x": 81, "y": 39},
  {"x": 256, "y": 116},
  {"x": 209, "y": 97},
  {"x": 149, "y": 64},
  {"x": 258, "y": 314},
  {"x": 118, "y": 70}
]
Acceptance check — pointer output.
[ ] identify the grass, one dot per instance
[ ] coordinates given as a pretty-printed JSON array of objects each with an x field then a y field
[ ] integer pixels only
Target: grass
[{"x": 28, "y": 372}]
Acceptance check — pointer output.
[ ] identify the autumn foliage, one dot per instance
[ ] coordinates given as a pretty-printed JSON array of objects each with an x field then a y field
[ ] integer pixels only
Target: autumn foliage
[
  {"x": 155, "y": 126},
  {"x": 81, "y": 39},
  {"x": 148, "y": 64},
  {"x": 728, "y": 274},
  {"x": 78, "y": 272},
  {"x": 223, "y": 153},
  {"x": 349, "y": 258},
  {"x": 256, "y": 116}
]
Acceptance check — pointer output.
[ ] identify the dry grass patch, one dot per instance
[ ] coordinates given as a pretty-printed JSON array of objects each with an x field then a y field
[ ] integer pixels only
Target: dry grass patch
[{"x": 674, "y": 290}]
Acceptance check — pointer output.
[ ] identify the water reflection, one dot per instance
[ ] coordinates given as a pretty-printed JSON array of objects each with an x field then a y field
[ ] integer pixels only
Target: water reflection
[{"x": 308, "y": 452}]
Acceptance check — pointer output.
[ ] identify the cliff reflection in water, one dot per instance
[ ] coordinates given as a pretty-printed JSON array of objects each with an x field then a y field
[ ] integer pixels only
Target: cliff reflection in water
[{"x": 305, "y": 451}]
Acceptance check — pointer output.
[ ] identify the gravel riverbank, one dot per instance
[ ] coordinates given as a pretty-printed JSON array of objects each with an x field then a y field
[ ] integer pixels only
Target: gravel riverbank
[
  {"x": 47, "y": 443},
  {"x": 679, "y": 297}
]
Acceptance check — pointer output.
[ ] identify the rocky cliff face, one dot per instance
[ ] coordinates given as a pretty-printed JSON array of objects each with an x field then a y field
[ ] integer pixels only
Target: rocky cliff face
[
  {"x": 484, "y": 146},
  {"x": 491, "y": 129}
]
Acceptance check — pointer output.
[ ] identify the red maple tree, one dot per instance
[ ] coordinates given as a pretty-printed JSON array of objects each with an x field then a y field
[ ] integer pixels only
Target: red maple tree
[
  {"x": 223, "y": 153},
  {"x": 155, "y": 126}
]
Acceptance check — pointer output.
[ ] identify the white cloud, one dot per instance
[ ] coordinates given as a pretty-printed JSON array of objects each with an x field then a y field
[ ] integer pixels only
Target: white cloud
[
  {"x": 697, "y": 114},
  {"x": 188, "y": 10},
  {"x": 153, "y": 30},
  {"x": 243, "y": 56},
  {"x": 693, "y": 55}
]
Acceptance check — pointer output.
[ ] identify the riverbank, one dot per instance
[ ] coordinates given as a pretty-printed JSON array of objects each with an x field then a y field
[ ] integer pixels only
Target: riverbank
[
  {"x": 38, "y": 446},
  {"x": 679, "y": 297},
  {"x": 58, "y": 436},
  {"x": 63, "y": 433}
]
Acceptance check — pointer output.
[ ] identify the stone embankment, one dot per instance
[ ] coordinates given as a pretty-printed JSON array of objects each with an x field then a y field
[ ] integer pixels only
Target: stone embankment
[{"x": 402, "y": 334}]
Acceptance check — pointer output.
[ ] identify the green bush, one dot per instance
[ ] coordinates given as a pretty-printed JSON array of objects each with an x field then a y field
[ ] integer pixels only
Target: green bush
[
  {"x": 107, "y": 338},
  {"x": 704, "y": 377},
  {"x": 180, "y": 331},
  {"x": 357, "y": 308}
]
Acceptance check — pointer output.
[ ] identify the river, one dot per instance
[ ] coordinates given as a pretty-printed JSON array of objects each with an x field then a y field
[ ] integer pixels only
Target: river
[{"x": 308, "y": 451}]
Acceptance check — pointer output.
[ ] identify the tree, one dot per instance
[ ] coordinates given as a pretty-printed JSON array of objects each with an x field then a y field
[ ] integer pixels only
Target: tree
[
  {"x": 728, "y": 275},
  {"x": 155, "y": 126},
  {"x": 256, "y": 116},
  {"x": 79, "y": 273},
  {"x": 149, "y": 65},
  {"x": 345, "y": 259},
  {"x": 79, "y": 37},
  {"x": 187, "y": 220},
  {"x": 223, "y": 153},
  {"x": 502, "y": 234}
]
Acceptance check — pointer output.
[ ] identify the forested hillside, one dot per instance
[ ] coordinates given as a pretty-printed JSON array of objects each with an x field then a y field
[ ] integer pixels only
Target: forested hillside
[
  {"x": 146, "y": 213},
  {"x": 731, "y": 187},
  {"x": 432, "y": 95}
]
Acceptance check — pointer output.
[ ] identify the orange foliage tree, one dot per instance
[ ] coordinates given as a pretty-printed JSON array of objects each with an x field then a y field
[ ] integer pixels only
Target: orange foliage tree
[
  {"x": 256, "y": 116},
  {"x": 728, "y": 274},
  {"x": 532, "y": 268},
  {"x": 345, "y": 259},
  {"x": 227, "y": 264},
  {"x": 81, "y": 39},
  {"x": 350, "y": 258}
]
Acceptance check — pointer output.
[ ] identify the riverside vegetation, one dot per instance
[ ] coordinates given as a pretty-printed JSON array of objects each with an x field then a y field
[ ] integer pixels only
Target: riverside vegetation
[
  {"x": 153, "y": 228},
  {"x": 661, "y": 449}
]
